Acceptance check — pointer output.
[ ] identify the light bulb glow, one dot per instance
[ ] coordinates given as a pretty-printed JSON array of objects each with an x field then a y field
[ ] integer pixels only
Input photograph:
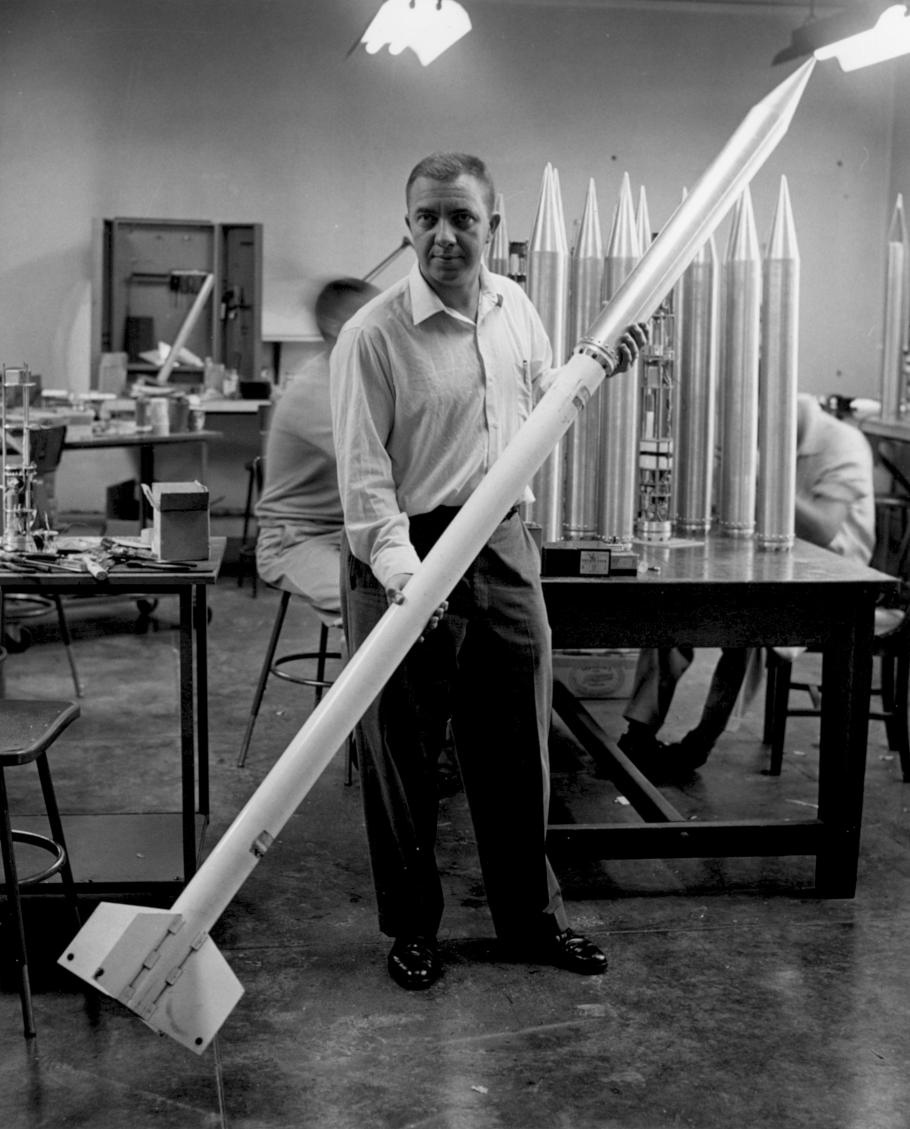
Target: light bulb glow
[{"x": 889, "y": 38}]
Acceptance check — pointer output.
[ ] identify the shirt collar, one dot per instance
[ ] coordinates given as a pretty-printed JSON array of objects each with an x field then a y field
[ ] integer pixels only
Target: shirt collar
[
  {"x": 425, "y": 302},
  {"x": 812, "y": 439}
]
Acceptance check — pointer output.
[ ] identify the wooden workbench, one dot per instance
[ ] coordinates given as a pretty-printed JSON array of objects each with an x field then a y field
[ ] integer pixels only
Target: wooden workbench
[{"x": 723, "y": 593}]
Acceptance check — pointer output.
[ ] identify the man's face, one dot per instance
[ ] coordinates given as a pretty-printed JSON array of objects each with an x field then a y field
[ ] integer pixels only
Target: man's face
[{"x": 450, "y": 224}]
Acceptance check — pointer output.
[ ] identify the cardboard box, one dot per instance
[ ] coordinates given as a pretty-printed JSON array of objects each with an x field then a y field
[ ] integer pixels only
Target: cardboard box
[
  {"x": 596, "y": 673},
  {"x": 180, "y": 524}
]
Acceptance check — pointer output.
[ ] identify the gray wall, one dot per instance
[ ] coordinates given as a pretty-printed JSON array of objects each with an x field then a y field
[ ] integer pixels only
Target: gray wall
[{"x": 246, "y": 110}]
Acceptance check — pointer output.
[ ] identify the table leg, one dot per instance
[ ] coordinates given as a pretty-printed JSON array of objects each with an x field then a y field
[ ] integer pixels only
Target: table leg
[
  {"x": 146, "y": 478},
  {"x": 200, "y": 633},
  {"x": 187, "y": 733},
  {"x": 846, "y": 681}
]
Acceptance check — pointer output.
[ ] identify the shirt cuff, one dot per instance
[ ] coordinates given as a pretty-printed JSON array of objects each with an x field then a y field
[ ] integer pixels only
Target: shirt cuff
[{"x": 393, "y": 561}]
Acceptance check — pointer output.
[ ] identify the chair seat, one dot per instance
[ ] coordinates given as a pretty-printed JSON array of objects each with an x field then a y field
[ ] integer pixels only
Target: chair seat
[
  {"x": 28, "y": 727},
  {"x": 887, "y": 621},
  {"x": 890, "y": 646}
]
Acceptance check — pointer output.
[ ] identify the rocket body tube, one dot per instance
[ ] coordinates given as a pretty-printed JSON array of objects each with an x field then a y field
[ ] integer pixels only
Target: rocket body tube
[
  {"x": 617, "y": 476},
  {"x": 548, "y": 288},
  {"x": 583, "y": 438},
  {"x": 778, "y": 383},
  {"x": 892, "y": 389},
  {"x": 696, "y": 400},
  {"x": 742, "y": 274}
]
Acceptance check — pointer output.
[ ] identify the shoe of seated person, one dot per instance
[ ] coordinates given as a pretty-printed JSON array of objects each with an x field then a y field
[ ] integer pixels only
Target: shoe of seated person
[
  {"x": 689, "y": 754},
  {"x": 644, "y": 750},
  {"x": 413, "y": 963}
]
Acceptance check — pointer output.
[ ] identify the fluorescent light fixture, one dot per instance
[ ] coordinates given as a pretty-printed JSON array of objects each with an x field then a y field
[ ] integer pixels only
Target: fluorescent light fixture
[
  {"x": 428, "y": 27},
  {"x": 865, "y": 32},
  {"x": 889, "y": 38}
]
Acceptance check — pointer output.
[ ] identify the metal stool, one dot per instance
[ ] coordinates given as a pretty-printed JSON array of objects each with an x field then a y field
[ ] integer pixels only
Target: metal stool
[
  {"x": 247, "y": 551},
  {"x": 272, "y": 665},
  {"x": 27, "y": 730}
]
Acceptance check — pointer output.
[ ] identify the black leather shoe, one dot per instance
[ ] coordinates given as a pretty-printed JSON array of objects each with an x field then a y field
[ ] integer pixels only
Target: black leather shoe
[
  {"x": 686, "y": 757},
  {"x": 644, "y": 750},
  {"x": 414, "y": 963},
  {"x": 571, "y": 951}
]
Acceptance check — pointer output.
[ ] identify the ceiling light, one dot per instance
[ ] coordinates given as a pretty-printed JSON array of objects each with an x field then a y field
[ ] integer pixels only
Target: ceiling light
[
  {"x": 866, "y": 33},
  {"x": 428, "y": 27},
  {"x": 889, "y": 38}
]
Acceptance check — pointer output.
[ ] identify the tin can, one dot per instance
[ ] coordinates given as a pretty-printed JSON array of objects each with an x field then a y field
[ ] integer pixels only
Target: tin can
[{"x": 159, "y": 416}]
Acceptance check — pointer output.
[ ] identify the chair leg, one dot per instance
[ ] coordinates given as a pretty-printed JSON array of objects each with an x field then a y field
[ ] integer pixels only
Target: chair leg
[
  {"x": 263, "y": 676},
  {"x": 772, "y": 666},
  {"x": 350, "y": 759},
  {"x": 11, "y": 877},
  {"x": 899, "y": 717},
  {"x": 56, "y": 825},
  {"x": 247, "y": 512},
  {"x": 67, "y": 640},
  {"x": 321, "y": 659},
  {"x": 779, "y": 705}
]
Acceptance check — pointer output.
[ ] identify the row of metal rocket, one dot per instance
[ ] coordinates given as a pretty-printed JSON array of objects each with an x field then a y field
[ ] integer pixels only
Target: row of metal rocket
[{"x": 722, "y": 319}]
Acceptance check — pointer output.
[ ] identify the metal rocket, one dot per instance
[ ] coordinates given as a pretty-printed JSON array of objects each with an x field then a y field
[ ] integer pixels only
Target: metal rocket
[
  {"x": 778, "y": 385},
  {"x": 548, "y": 289},
  {"x": 892, "y": 381},
  {"x": 583, "y": 438},
  {"x": 617, "y": 476},
  {"x": 742, "y": 287},
  {"x": 697, "y": 298},
  {"x": 498, "y": 260}
]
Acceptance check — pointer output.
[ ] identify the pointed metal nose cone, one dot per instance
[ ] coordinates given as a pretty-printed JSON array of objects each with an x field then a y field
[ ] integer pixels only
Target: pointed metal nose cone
[
  {"x": 643, "y": 221},
  {"x": 623, "y": 242},
  {"x": 742, "y": 243},
  {"x": 499, "y": 247},
  {"x": 589, "y": 244},
  {"x": 557, "y": 193},
  {"x": 897, "y": 231},
  {"x": 549, "y": 231},
  {"x": 782, "y": 101},
  {"x": 782, "y": 243}
]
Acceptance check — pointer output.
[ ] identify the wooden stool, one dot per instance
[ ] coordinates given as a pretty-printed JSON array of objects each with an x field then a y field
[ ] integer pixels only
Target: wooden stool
[{"x": 27, "y": 730}]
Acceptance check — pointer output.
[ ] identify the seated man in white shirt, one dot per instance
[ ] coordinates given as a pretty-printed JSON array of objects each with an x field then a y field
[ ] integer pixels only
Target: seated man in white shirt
[
  {"x": 834, "y": 508},
  {"x": 299, "y": 512}
]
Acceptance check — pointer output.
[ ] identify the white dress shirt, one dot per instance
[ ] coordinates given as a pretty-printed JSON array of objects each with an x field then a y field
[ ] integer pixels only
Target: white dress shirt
[{"x": 424, "y": 401}]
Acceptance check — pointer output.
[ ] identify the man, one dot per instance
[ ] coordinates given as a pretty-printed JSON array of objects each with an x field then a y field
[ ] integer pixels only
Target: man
[
  {"x": 299, "y": 512},
  {"x": 834, "y": 508},
  {"x": 429, "y": 383}
]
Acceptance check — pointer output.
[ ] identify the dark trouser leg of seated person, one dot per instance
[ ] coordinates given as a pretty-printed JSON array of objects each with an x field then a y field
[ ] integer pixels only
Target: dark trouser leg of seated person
[
  {"x": 726, "y": 683},
  {"x": 656, "y": 674}
]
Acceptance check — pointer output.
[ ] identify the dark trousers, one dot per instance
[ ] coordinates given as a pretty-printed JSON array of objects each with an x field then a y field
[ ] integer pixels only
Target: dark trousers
[
  {"x": 657, "y": 673},
  {"x": 487, "y": 666}
]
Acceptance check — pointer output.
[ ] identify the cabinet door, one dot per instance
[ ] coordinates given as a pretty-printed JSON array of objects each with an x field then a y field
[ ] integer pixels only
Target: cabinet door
[{"x": 241, "y": 298}]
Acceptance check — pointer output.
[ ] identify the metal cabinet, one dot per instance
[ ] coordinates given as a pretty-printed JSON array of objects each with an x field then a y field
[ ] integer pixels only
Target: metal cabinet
[{"x": 148, "y": 273}]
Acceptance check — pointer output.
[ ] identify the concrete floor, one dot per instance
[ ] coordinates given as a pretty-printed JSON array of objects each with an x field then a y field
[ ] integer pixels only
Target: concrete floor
[{"x": 734, "y": 997}]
